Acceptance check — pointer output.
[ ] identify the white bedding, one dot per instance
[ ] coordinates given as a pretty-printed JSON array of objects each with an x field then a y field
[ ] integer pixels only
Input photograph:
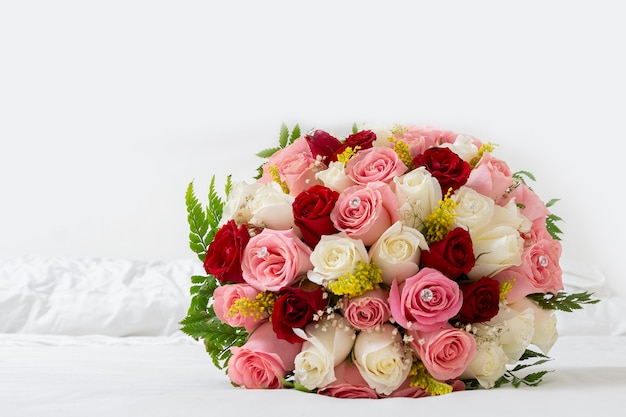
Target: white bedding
[{"x": 97, "y": 337}]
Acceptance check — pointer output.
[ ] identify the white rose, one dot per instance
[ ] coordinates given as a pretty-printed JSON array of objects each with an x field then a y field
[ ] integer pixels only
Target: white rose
[
  {"x": 271, "y": 207},
  {"x": 397, "y": 252},
  {"x": 488, "y": 364},
  {"x": 418, "y": 194},
  {"x": 334, "y": 177},
  {"x": 381, "y": 359},
  {"x": 334, "y": 256},
  {"x": 516, "y": 331},
  {"x": 473, "y": 209},
  {"x": 463, "y": 146},
  {"x": 498, "y": 245},
  {"x": 546, "y": 332},
  {"x": 327, "y": 345},
  {"x": 237, "y": 206}
]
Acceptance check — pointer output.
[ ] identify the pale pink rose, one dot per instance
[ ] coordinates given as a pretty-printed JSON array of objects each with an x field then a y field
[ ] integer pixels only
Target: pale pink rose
[
  {"x": 445, "y": 352},
  {"x": 365, "y": 212},
  {"x": 375, "y": 164},
  {"x": 540, "y": 271},
  {"x": 538, "y": 231},
  {"x": 420, "y": 138},
  {"x": 367, "y": 311},
  {"x": 425, "y": 301},
  {"x": 407, "y": 391},
  {"x": 274, "y": 259},
  {"x": 532, "y": 207},
  {"x": 296, "y": 166},
  {"x": 225, "y": 296},
  {"x": 263, "y": 360},
  {"x": 491, "y": 177},
  {"x": 349, "y": 383}
]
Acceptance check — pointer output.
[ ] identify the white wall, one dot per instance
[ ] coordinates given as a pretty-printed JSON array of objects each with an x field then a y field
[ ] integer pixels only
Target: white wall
[{"x": 108, "y": 109}]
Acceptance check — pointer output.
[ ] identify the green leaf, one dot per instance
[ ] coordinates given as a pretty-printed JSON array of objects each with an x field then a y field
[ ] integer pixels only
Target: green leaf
[
  {"x": 284, "y": 136},
  {"x": 198, "y": 222},
  {"x": 295, "y": 134},
  {"x": 563, "y": 301},
  {"x": 219, "y": 338},
  {"x": 266, "y": 153},
  {"x": 355, "y": 128}
]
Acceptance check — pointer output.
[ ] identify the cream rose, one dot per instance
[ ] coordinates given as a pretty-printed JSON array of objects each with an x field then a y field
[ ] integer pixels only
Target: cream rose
[
  {"x": 473, "y": 210},
  {"x": 464, "y": 146},
  {"x": 516, "y": 330},
  {"x": 334, "y": 256},
  {"x": 326, "y": 346},
  {"x": 382, "y": 359},
  {"x": 334, "y": 177},
  {"x": 418, "y": 194},
  {"x": 237, "y": 206},
  {"x": 271, "y": 208},
  {"x": 397, "y": 252},
  {"x": 488, "y": 364},
  {"x": 546, "y": 332}
]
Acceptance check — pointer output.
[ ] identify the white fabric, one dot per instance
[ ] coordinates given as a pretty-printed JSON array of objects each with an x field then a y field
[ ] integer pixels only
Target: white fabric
[
  {"x": 69, "y": 296},
  {"x": 154, "y": 378}
]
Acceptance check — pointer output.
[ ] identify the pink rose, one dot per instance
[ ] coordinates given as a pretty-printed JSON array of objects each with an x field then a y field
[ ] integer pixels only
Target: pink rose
[
  {"x": 226, "y": 295},
  {"x": 425, "y": 301},
  {"x": 296, "y": 166},
  {"x": 375, "y": 164},
  {"x": 368, "y": 311},
  {"x": 418, "y": 139},
  {"x": 274, "y": 259},
  {"x": 531, "y": 205},
  {"x": 445, "y": 352},
  {"x": 490, "y": 177},
  {"x": 263, "y": 360},
  {"x": 365, "y": 212},
  {"x": 539, "y": 272},
  {"x": 348, "y": 384}
]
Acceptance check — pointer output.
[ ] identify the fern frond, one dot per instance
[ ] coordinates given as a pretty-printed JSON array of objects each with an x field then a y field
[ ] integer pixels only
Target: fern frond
[{"x": 563, "y": 301}]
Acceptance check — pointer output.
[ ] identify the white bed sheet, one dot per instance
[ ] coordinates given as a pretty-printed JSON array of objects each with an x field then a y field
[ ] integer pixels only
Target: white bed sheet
[{"x": 69, "y": 376}]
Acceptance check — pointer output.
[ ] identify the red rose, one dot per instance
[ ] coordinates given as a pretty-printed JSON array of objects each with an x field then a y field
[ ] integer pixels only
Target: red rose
[
  {"x": 311, "y": 213},
  {"x": 223, "y": 257},
  {"x": 480, "y": 300},
  {"x": 446, "y": 166},
  {"x": 323, "y": 144},
  {"x": 357, "y": 141},
  {"x": 294, "y": 309},
  {"x": 453, "y": 256}
]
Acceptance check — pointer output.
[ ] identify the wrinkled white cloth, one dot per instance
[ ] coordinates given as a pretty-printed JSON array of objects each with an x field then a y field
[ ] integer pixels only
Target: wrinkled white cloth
[{"x": 67, "y": 296}]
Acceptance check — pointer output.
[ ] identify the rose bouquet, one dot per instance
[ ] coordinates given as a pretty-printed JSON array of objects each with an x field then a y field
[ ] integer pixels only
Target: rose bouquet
[{"x": 403, "y": 262}]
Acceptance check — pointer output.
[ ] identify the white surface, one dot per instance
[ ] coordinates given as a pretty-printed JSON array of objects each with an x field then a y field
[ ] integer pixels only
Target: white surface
[
  {"x": 109, "y": 109},
  {"x": 154, "y": 378}
]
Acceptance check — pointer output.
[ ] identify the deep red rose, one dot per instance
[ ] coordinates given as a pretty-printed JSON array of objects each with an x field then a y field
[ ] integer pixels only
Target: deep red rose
[
  {"x": 323, "y": 144},
  {"x": 453, "y": 256},
  {"x": 480, "y": 300},
  {"x": 446, "y": 166},
  {"x": 311, "y": 213},
  {"x": 223, "y": 257},
  {"x": 294, "y": 309},
  {"x": 358, "y": 141}
]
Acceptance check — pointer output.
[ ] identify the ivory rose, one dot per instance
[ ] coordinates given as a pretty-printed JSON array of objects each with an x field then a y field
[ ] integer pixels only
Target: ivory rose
[
  {"x": 465, "y": 146},
  {"x": 499, "y": 245},
  {"x": 365, "y": 212},
  {"x": 334, "y": 256},
  {"x": 263, "y": 360},
  {"x": 425, "y": 301},
  {"x": 397, "y": 252},
  {"x": 335, "y": 177},
  {"x": 224, "y": 298},
  {"x": 382, "y": 359},
  {"x": 418, "y": 194},
  {"x": 445, "y": 352},
  {"x": 487, "y": 365},
  {"x": 545, "y": 324},
  {"x": 375, "y": 164},
  {"x": 271, "y": 208},
  {"x": 368, "y": 311},
  {"x": 516, "y": 330},
  {"x": 326, "y": 346},
  {"x": 295, "y": 165},
  {"x": 473, "y": 210},
  {"x": 274, "y": 259}
]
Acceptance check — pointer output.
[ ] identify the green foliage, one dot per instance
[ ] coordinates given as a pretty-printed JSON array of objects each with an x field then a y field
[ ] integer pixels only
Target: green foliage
[
  {"x": 285, "y": 138},
  {"x": 563, "y": 301},
  {"x": 528, "y": 359},
  {"x": 523, "y": 176},
  {"x": 219, "y": 338},
  {"x": 203, "y": 222},
  {"x": 355, "y": 128}
]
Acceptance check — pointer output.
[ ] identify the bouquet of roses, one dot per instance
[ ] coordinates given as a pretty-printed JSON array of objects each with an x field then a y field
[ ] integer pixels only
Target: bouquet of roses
[{"x": 402, "y": 262}]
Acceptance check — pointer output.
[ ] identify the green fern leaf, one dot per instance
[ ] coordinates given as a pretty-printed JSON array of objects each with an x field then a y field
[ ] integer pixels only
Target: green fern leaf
[
  {"x": 295, "y": 134},
  {"x": 284, "y": 136},
  {"x": 266, "y": 153},
  {"x": 198, "y": 223},
  {"x": 563, "y": 301}
]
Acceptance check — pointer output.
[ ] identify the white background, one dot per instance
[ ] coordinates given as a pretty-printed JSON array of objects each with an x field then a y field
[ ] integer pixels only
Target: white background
[{"x": 108, "y": 109}]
